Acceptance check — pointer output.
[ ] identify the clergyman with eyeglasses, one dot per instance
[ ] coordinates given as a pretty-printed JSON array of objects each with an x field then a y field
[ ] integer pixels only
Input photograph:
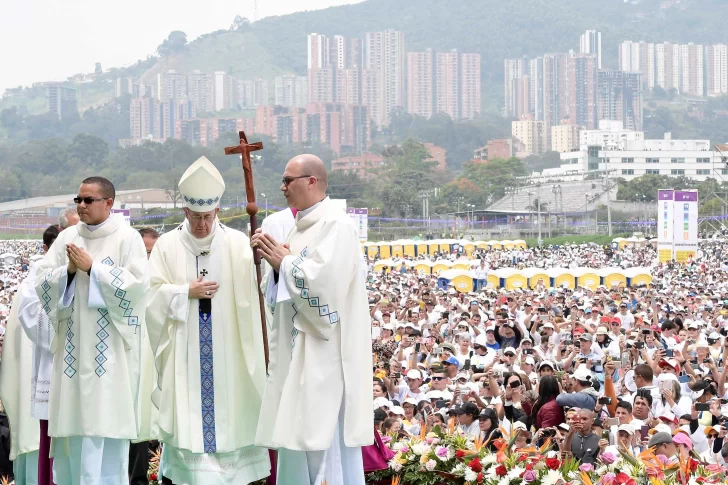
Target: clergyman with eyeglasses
[{"x": 92, "y": 284}]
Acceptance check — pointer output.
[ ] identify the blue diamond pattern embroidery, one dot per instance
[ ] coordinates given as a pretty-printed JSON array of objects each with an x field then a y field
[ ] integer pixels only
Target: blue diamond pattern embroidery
[
  {"x": 69, "y": 359},
  {"x": 313, "y": 301},
  {"x": 102, "y": 347},
  {"x": 207, "y": 383},
  {"x": 46, "y": 287}
]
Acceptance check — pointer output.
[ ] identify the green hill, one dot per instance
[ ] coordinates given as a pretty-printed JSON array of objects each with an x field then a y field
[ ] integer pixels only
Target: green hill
[{"x": 496, "y": 29}]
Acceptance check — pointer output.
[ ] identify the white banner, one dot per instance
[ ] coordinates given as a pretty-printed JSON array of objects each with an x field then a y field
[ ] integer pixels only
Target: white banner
[
  {"x": 360, "y": 218},
  {"x": 664, "y": 225},
  {"x": 685, "y": 228}
]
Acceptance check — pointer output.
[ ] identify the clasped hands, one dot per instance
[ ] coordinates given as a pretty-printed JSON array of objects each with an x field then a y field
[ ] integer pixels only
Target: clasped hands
[
  {"x": 78, "y": 258},
  {"x": 269, "y": 249}
]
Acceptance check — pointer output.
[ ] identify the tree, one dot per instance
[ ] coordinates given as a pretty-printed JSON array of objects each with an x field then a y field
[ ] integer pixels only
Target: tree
[
  {"x": 97, "y": 69},
  {"x": 174, "y": 43},
  {"x": 88, "y": 150},
  {"x": 240, "y": 24},
  {"x": 345, "y": 185}
]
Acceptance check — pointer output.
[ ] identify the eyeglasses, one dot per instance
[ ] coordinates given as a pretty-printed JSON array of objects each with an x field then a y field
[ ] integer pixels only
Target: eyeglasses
[
  {"x": 712, "y": 435},
  {"x": 437, "y": 378},
  {"x": 87, "y": 200},
  {"x": 286, "y": 181}
]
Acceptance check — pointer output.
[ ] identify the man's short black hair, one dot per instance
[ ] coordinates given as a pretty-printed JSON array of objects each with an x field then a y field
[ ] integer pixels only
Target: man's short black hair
[
  {"x": 50, "y": 235},
  {"x": 625, "y": 405},
  {"x": 107, "y": 188}
]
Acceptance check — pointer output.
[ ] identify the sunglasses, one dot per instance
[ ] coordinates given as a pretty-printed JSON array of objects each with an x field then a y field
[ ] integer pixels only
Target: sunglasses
[
  {"x": 87, "y": 200},
  {"x": 437, "y": 378},
  {"x": 286, "y": 181},
  {"x": 509, "y": 355},
  {"x": 712, "y": 435}
]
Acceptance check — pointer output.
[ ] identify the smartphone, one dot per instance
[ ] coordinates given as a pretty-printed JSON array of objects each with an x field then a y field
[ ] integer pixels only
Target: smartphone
[
  {"x": 625, "y": 359},
  {"x": 702, "y": 406},
  {"x": 707, "y": 361},
  {"x": 528, "y": 351},
  {"x": 396, "y": 375},
  {"x": 515, "y": 385},
  {"x": 466, "y": 366},
  {"x": 646, "y": 331},
  {"x": 684, "y": 379},
  {"x": 609, "y": 422},
  {"x": 665, "y": 385},
  {"x": 605, "y": 434},
  {"x": 669, "y": 353},
  {"x": 605, "y": 401},
  {"x": 417, "y": 347},
  {"x": 440, "y": 403},
  {"x": 644, "y": 430},
  {"x": 639, "y": 345},
  {"x": 376, "y": 332},
  {"x": 568, "y": 342}
]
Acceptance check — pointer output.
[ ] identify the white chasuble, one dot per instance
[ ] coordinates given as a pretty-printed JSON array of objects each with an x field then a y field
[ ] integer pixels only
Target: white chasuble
[
  {"x": 15, "y": 388},
  {"x": 38, "y": 328},
  {"x": 320, "y": 368},
  {"x": 209, "y": 358}
]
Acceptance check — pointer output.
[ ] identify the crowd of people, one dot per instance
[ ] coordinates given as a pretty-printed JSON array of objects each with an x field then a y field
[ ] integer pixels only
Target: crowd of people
[{"x": 595, "y": 370}]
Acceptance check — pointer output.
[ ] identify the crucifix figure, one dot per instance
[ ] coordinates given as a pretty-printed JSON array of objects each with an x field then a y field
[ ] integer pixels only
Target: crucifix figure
[
  {"x": 244, "y": 149},
  {"x": 204, "y": 272}
]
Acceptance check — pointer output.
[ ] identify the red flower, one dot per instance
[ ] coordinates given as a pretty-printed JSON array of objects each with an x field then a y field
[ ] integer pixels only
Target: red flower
[
  {"x": 459, "y": 454},
  {"x": 522, "y": 458},
  {"x": 475, "y": 465},
  {"x": 480, "y": 477},
  {"x": 152, "y": 476},
  {"x": 693, "y": 465},
  {"x": 553, "y": 463},
  {"x": 624, "y": 479},
  {"x": 501, "y": 471}
]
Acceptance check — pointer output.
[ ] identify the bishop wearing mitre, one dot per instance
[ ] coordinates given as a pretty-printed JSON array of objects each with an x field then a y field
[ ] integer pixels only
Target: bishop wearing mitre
[{"x": 204, "y": 325}]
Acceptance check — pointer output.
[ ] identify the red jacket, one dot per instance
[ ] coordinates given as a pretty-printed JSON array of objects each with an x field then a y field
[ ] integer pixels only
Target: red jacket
[{"x": 550, "y": 414}]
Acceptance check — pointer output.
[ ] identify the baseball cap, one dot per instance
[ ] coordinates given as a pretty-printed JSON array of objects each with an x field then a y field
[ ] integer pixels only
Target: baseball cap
[
  {"x": 546, "y": 363},
  {"x": 668, "y": 416},
  {"x": 381, "y": 402},
  {"x": 414, "y": 374},
  {"x": 582, "y": 374},
  {"x": 659, "y": 439},
  {"x": 397, "y": 411},
  {"x": 681, "y": 438},
  {"x": 587, "y": 337},
  {"x": 469, "y": 408},
  {"x": 626, "y": 428},
  {"x": 509, "y": 349},
  {"x": 670, "y": 363},
  {"x": 452, "y": 361}
]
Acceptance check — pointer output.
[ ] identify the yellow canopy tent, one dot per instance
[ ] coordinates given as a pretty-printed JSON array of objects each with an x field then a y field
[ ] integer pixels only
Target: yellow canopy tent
[
  {"x": 534, "y": 275},
  {"x": 612, "y": 277},
  {"x": 562, "y": 277},
  {"x": 385, "y": 249}
]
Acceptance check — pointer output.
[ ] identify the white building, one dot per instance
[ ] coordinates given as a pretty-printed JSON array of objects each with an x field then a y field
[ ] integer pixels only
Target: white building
[
  {"x": 626, "y": 154},
  {"x": 590, "y": 42}
]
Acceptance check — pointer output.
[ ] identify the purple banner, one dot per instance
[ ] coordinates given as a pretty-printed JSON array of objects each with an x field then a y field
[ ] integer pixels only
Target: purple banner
[
  {"x": 681, "y": 196},
  {"x": 665, "y": 194}
]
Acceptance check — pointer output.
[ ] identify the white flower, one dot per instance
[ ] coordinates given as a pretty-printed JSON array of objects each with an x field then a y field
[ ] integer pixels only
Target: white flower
[
  {"x": 551, "y": 477},
  {"x": 394, "y": 464},
  {"x": 515, "y": 472},
  {"x": 398, "y": 446},
  {"x": 430, "y": 465},
  {"x": 420, "y": 449},
  {"x": 470, "y": 475},
  {"x": 459, "y": 470},
  {"x": 504, "y": 481},
  {"x": 489, "y": 459}
]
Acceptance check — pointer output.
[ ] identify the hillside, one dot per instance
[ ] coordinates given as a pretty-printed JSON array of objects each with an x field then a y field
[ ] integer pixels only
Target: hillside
[{"x": 494, "y": 28}]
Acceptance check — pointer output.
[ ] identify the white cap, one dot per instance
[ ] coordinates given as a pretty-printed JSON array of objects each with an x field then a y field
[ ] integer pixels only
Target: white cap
[
  {"x": 434, "y": 394},
  {"x": 382, "y": 402},
  {"x": 397, "y": 411},
  {"x": 202, "y": 186},
  {"x": 414, "y": 374},
  {"x": 519, "y": 425},
  {"x": 410, "y": 400},
  {"x": 582, "y": 374},
  {"x": 627, "y": 428},
  {"x": 509, "y": 349},
  {"x": 481, "y": 340}
]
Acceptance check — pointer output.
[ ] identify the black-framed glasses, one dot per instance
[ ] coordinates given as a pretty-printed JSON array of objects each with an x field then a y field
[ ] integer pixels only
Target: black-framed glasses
[
  {"x": 87, "y": 200},
  {"x": 287, "y": 180},
  {"x": 437, "y": 378}
]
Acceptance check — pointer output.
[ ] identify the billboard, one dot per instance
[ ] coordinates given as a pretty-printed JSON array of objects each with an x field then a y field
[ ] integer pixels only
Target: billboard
[
  {"x": 360, "y": 218},
  {"x": 685, "y": 227},
  {"x": 664, "y": 225}
]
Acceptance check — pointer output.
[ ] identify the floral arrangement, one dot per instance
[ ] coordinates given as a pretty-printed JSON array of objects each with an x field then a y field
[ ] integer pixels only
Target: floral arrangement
[{"x": 440, "y": 458}]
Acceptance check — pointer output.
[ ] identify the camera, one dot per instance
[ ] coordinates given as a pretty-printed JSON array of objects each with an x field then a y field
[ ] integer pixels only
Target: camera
[
  {"x": 639, "y": 345},
  {"x": 605, "y": 401},
  {"x": 548, "y": 433}
]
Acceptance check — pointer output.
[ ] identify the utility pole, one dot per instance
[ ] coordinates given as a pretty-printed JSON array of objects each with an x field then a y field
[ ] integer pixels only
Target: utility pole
[
  {"x": 609, "y": 193},
  {"x": 538, "y": 209}
]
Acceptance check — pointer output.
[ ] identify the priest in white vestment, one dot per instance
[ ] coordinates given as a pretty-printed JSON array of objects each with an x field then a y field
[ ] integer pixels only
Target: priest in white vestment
[
  {"x": 316, "y": 408},
  {"x": 39, "y": 329},
  {"x": 204, "y": 324},
  {"x": 16, "y": 394},
  {"x": 92, "y": 284}
]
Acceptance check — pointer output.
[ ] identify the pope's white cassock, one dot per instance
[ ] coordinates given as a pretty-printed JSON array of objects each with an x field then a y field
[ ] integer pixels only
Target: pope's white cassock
[
  {"x": 209, "y": 353},
  {"x": 16, "y": 394},
  {"x": 96, "y": 351},
  {"x": 315, "y": 407}
]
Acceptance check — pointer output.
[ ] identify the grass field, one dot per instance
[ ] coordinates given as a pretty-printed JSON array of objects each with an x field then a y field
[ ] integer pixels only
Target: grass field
[{"x": 598, "y": 239}]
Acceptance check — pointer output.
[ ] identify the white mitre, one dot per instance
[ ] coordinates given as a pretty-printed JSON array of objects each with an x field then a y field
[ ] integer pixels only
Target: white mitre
[{"x": 202, "y": 186}]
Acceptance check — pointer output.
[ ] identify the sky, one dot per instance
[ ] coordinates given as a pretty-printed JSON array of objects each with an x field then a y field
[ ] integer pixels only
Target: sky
[{"x": 50, "y": 40}]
